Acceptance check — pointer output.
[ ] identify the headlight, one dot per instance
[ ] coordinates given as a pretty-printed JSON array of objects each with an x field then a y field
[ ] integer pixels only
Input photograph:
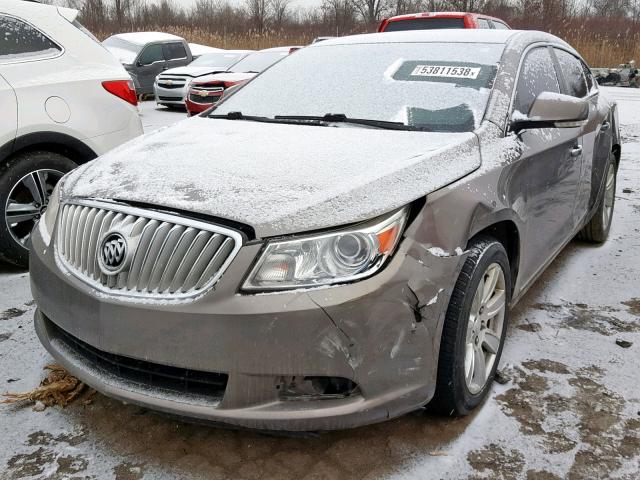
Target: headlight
[
  {"x": 49, "y": 220},
  {"x": 326, "y": 259}
]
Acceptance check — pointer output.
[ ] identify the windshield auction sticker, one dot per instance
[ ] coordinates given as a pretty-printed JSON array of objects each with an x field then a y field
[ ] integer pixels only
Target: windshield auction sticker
[
  {"x": 461, "y": 74},
  {"x": 445, "y": 71}
]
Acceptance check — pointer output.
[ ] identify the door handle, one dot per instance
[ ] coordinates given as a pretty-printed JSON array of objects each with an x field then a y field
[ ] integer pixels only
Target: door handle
[
  {"x": 605, "y": 126},
  {"x": 576, "y": 151}
]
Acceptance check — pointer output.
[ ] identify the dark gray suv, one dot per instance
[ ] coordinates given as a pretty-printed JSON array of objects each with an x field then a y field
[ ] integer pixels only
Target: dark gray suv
[
  {"x": 147, "y": 54},
  {"x": 336, "y": 243}
]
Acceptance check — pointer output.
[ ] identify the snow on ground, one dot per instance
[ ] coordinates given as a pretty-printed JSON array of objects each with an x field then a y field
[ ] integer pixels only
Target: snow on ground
[{"x": 570, "y": 407}]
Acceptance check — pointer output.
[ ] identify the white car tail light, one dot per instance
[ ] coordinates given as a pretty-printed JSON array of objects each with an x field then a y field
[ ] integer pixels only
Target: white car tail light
[{"x": 123, "y": 89}]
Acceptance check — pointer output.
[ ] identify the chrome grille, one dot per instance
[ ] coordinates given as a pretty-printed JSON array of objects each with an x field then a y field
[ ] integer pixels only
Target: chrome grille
[
  {"x": 173, "y": 81},
  {"x": 169, "y": 256}
]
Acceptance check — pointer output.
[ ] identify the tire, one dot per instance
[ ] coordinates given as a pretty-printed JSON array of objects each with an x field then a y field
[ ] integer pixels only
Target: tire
[
  {"x": 26, "y": 179},
  {"x": 597, "y": 230},
  {"x": 454, "y": 395}
]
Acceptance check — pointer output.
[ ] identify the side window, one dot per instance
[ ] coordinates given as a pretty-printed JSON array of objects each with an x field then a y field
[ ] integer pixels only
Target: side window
[
  {"x": 174, "y": 51},
  {"x": 499, "y": 25},
  {"x": 537, "y": 75},
  {"x": 19, "y": 40},
  {"x": 572, "y": 71},
  {"x": 483, "y": 23},
  {"x": 151, "y": 54},
  {"x": 592, "y": 85}
]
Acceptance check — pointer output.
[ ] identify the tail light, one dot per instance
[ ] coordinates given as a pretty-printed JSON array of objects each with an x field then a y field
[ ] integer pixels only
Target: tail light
[
  {"x": 293, "y": 49},
  {"x": 123, "y": 89}
]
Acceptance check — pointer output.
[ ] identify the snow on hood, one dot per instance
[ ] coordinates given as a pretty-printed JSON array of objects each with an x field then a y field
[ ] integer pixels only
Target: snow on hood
[
  {"x": 278, "y": 178},
  {"x": 194, "y": 71},
  {"x": 227, "y": 77}
]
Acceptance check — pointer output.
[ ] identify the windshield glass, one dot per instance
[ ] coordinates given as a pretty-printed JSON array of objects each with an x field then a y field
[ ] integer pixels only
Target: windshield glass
[
  {"x": 216, "y": 60},
  {"x": 257, "y": 62},
  {"x": 124, "y": 51},
  {"x": 437, "y": 86}
]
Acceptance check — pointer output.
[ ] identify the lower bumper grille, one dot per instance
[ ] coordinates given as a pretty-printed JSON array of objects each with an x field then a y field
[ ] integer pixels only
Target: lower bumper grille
[
  {"x": 145, "y": 375},
  {"x": 169, "y": 99}
]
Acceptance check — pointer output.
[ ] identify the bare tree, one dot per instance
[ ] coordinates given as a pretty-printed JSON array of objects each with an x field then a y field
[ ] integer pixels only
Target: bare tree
[
  {"x": 258, "y": 12},
  {"x": 279, "y": 12},
  {"x": 340, "y": 15},
  {"x": 370, "y": 10}
]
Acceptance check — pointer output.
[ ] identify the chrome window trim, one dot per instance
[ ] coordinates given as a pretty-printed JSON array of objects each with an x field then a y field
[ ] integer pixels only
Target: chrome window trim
[
  {"x": 34, "y": 59},
  {"x": 150, "y": 214}
]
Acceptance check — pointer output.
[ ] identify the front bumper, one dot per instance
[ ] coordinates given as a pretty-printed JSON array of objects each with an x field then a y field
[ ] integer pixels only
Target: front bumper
[{"x": 382, "y": 333}]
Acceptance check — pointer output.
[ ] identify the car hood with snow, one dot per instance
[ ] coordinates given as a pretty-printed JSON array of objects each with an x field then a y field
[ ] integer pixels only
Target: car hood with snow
[
  {"x": 192, "y": 71},
  {"x": 231, "y": 77},
  {"x": 277, "y": 178}
]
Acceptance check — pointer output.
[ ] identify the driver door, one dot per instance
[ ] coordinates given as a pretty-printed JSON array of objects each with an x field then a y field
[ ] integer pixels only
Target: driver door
[{"x": 150, "y": 64}]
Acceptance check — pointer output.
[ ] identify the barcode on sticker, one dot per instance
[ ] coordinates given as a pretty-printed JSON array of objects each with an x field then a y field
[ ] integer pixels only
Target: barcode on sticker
[{"x": 445, "y": 71}]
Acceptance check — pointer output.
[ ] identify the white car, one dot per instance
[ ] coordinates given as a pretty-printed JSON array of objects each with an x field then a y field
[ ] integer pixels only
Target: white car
[{"x": 65, "y": 100}]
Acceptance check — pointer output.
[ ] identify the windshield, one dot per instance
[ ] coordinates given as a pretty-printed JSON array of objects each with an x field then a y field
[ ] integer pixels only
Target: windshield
[
  {"x": 437, "y": 86},
  {"x": 124, "y": 51},
  {"x": 217, "y": 60},
  {"x": 257, "y": 62}
]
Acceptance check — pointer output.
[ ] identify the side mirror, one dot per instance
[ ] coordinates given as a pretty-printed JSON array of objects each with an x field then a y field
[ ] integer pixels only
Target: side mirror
[{"x": 552, "y": 110}]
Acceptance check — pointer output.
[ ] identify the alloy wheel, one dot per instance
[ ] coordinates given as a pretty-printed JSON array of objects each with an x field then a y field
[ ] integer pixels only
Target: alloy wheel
[
  {"x": 484, "y": 328},
  {"x": 609, "y": 196},
  {"x": 27, "y": 202}
]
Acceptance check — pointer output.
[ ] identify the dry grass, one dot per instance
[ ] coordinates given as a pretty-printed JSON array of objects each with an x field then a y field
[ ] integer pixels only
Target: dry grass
[
  {"x": 58, "y": 388},
  {"x": 599, "y": 49}
]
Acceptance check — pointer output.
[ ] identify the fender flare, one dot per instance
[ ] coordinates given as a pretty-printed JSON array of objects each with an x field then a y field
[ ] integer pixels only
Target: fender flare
[{"x": 57, "y": 142}]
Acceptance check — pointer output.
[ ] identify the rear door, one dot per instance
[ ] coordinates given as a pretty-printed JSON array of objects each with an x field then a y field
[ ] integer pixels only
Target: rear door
[
  {"x": 175, "y": 54},
  {"x": 150, "y": 63},
  {"x": 9, "y": 116},
  {"x": 548, "y": 173},
  {"x": 595, "y": 137}
]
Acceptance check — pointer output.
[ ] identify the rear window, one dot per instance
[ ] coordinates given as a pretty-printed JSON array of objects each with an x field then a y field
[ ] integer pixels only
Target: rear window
[
  {"x": 174, "y": 51},
  {"x": 424, "y": 24},
  {"x": 257, "y": 62},
  {"x": 21, "y": 41}
]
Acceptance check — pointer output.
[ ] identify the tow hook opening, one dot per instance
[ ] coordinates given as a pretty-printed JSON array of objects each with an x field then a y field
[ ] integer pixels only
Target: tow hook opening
[{"x": 316, "y": 388}]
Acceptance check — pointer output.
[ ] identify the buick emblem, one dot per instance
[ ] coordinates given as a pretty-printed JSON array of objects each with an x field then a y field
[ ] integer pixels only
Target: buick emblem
[{"x": 113, "y": 254}]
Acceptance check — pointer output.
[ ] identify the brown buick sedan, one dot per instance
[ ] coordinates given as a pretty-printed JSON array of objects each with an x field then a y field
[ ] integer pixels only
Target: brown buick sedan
[{"x": 338, "y": 242}]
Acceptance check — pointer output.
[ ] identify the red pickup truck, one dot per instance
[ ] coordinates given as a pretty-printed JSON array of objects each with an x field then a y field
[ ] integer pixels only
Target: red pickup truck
[{"x": 440, "y": 20}]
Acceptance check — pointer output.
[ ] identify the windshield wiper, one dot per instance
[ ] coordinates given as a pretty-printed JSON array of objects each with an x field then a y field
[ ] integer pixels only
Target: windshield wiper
[
  {"x": 240, "y": 116},
  {"x": 342, "y": 118},
  {"x": 322, "y": 121}
]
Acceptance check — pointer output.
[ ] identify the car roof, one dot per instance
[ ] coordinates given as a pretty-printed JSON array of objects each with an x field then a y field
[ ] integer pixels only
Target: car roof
[
  {"x": 279, "y": 49},
  {"x": 457, "y": 35},
  {"x": 142, "y": 38},
  {"x": 27, "y": 7},
  {"x": 413, "y": 16}
]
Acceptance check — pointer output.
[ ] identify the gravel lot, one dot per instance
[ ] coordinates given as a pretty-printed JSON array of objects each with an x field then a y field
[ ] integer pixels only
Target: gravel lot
[{"x": 570, "y": 407}]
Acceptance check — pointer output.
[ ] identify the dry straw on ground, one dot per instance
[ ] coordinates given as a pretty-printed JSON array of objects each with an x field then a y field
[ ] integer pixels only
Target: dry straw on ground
[{"x": 58, "y": 388}]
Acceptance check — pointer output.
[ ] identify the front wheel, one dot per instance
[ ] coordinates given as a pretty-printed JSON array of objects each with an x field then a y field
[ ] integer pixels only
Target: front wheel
[
  {"x": 474, "y": 329},
  {"x": 597, "y": 230},
  {"x": 26, "y": 182}
]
